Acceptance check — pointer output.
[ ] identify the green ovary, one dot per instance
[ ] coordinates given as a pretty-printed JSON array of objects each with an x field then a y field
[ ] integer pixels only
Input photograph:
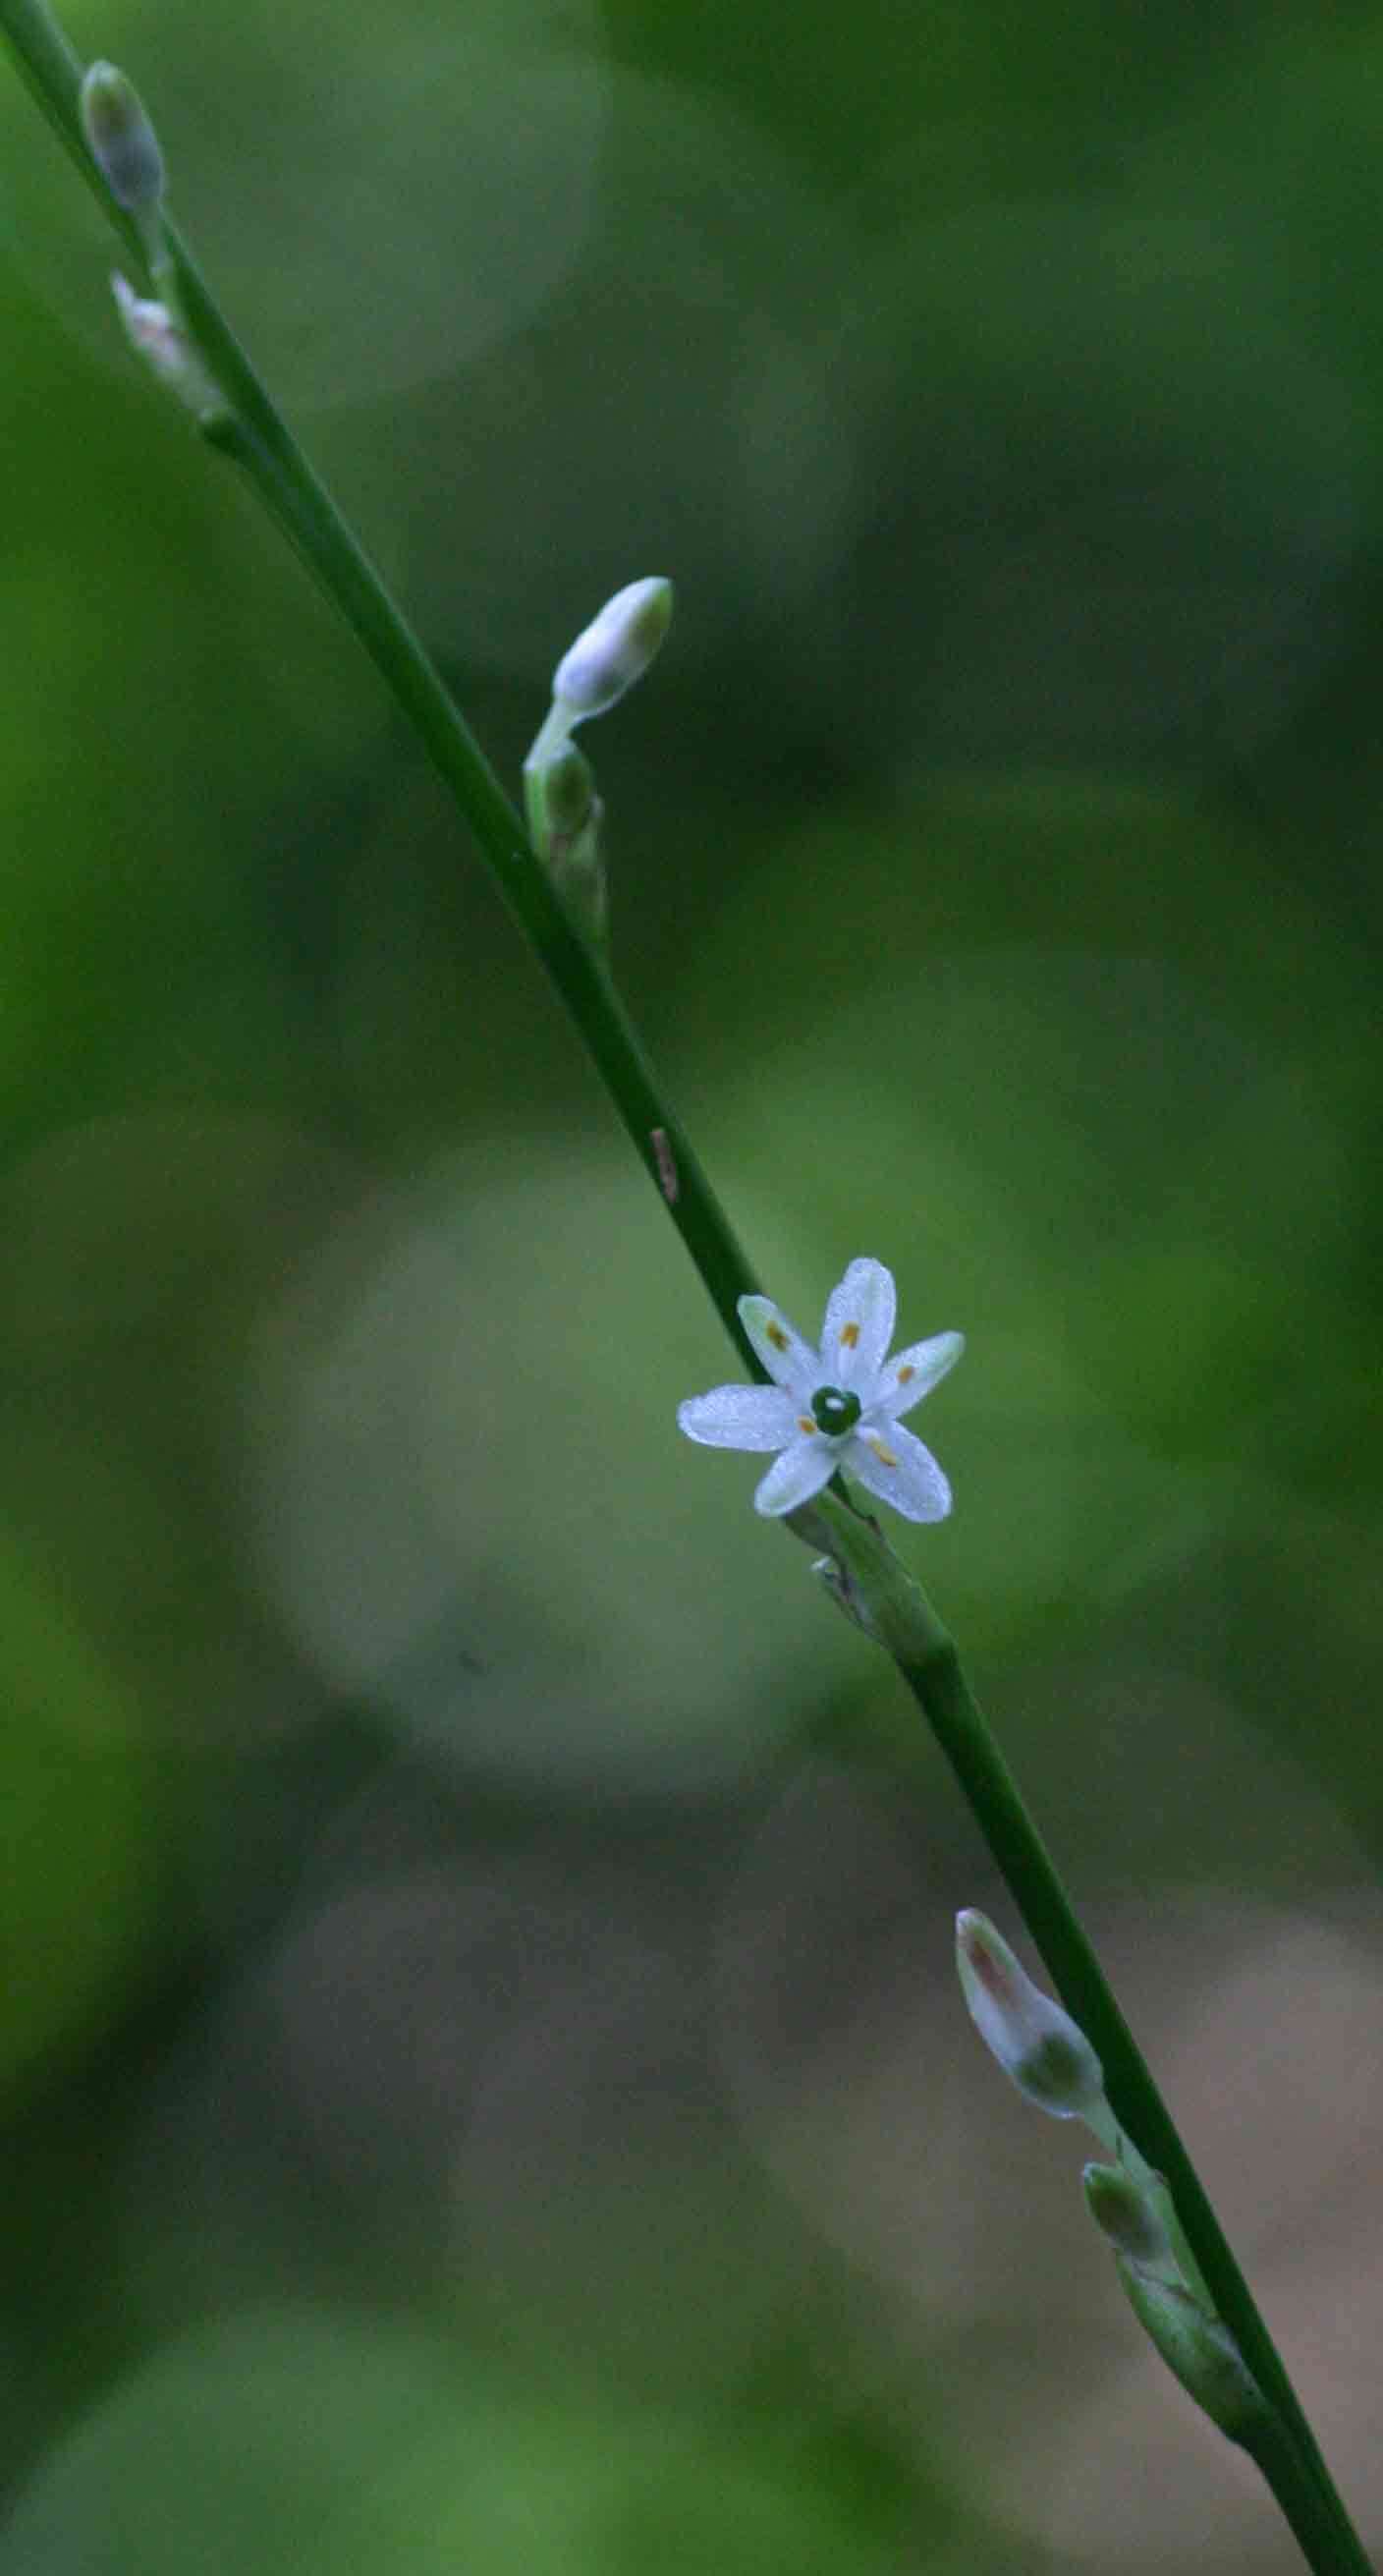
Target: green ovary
[{"x": 833, "y": 1412}]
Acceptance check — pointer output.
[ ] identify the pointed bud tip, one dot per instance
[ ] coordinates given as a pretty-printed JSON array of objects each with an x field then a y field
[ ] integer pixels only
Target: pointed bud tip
[{"x": 120, "y": 138}]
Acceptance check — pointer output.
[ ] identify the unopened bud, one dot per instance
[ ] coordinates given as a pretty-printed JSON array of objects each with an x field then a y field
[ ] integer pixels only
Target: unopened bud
[
  {"x": 1034, "y": 2040},
  {"x": 561, "y": 797},
  {"x": 1198, "y": 2349},
  {"x": 615, "y": 649},
  {"x": 164, "y": 346},
  {"x": 1124, "y": 2211},
  {"x": 120, "y": 138},
  {"x": 564, "y": 819}
]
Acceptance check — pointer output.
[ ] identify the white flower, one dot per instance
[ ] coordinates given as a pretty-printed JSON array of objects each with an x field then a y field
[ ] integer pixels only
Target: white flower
[{"x": 836, "y": 1407}]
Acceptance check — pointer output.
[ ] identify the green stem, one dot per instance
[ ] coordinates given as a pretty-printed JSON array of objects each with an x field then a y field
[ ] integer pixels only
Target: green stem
[
  {"x": 263, "y": 446},
  {"x": 941, "y": 1690},
  {"x": 876, "y": 1588},
  {"x": 310, "y": 519},
  {"x": 870, "y": 1580}
]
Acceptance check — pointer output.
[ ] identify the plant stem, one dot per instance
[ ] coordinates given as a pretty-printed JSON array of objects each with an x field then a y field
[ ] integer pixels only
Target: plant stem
[
  {"x": 1293, "y": 2465},
  {"x": 878, "y": 1589},
  {"x": 872, "y": 1582},
  {"x": 309, "y": 517},
  {"x": 261, "y": 443}
]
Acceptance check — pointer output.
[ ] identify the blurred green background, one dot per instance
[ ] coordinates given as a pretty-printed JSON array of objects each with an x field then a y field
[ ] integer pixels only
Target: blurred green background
[{"x": 483, "y": 2083}]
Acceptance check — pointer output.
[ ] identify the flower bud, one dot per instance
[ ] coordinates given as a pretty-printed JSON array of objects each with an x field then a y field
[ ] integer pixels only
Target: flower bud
[
  {"x": 564, "y": 819},
  {"x": 1198, "y": 2349},
  {"x": 615, "y": 649},
  {"x": 1034, "y": 2040},
  {"x": 1125, "y": 2213},
  {"x": 164, "y": 346},
  {"x": 121, "y": 140},
  {"x": 561, "y": 797}
]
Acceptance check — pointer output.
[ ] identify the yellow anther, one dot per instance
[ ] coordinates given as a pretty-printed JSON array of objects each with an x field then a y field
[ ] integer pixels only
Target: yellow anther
[
  {"x": 805, "y": 1423},
  {"x": 849, "y": 1335},
  {"x": 884, "y": 1455},
  {"x": 777, "y": 1336}
]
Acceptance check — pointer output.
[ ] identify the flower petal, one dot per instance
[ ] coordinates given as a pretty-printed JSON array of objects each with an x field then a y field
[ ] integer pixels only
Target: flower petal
[
  {"x": 788, "y": 1359},
  {"x": 916, "y": 1371},
  {"x": 897, "y": 1468},
  {"x": 797, "y": 1475},
  {"x": 859, "y": 1325},
  {"x": 739, "y": 1417}
]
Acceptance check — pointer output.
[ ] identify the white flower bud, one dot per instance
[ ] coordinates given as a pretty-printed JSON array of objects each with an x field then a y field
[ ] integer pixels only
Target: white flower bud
[
  {"x": 615, "y": 649},
  {"x": 164, "y": 346},
  {"x": 1034, "y": 2040},
  {"x": 121, "y": 140}
]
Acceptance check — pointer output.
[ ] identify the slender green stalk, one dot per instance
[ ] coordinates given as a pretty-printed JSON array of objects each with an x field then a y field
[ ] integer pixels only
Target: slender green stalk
[
  {"x": 877, "y": 1589},
  {"x": 868, "y": 1580},
  {"x": 310, "y": 519},
  {"x": 261, "y": 443},
  {"x": 1290, "y": 2460}
]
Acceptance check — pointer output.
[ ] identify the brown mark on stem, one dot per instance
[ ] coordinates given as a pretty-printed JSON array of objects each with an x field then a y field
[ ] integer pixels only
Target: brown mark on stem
[{"x": 667, "y": 1169}]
